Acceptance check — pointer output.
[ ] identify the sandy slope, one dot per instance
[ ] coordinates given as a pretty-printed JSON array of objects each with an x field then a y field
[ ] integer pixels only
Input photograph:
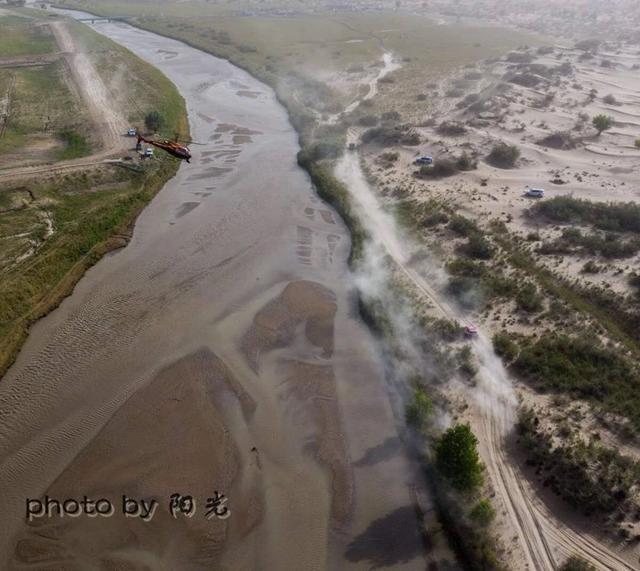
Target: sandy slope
[{"x": 543, "y": 540}]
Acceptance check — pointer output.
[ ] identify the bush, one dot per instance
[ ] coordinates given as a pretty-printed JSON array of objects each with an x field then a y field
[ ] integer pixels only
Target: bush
[
  {"x": 154, "y": 121},
  {"x": 457, "y": 458},
  {"x": 504, "y": 346},
  {"x": 503, "y": 155},
  {"x": 478, "y": 247},
  {"x": 562, "y": 141},
  {"x": 462, "y": 225},
  {"x": 528, "y": 299},
  {"x": 391, "y": 116},
  {"x": 440, "y": 169},
  {"x": 610, "y": 100},
  {"x": 575, "y": 563},
  {"x": 451, "y": 129},
  {"x": 602, "y": 123},
  {"x": 368, "y": 121},
  {"x": 483, "y": 513},
  {"x": 419, "y": 410},
  {"x": 322, "y": 150}
]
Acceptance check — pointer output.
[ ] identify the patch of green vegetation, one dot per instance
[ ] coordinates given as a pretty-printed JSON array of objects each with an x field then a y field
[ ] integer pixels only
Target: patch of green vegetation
[
  {"x": 609, "y": 245},
  {"x": 590, "y": 477},
  {"x": 602, "y": 123},
  {"x": 24, "y": 36},
  {"x": 75, "y": 145},
  {"x": 504, "y": 346},
  {"x": 582, "y": 368},
  {"x": 34, "y": 115},
  {"x": 419, "y": 410},
  {"x": 608, "y": 216},
  {"x": 575, "y": 563},
  {"x": 483, "y": 513}
]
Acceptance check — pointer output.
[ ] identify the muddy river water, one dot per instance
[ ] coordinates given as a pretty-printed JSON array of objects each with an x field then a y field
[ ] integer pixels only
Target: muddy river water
[{"x": 219, "y": 351}]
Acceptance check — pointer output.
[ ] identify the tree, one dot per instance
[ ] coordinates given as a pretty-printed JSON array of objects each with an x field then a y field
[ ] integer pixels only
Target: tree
[
  {"x": 602, "y": 123},
  {"x": 153, "y": 121},
  {"x": 483, "y": 513},
  {"x": 419, "y": 409},
  {"x": 457, "y": 458},
  {"x": 637, "y": 143},
  {"x": 575, "y": 563}
]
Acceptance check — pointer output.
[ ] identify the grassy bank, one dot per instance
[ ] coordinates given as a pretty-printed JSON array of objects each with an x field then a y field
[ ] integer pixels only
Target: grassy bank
[{"x": 53, "y": 228}]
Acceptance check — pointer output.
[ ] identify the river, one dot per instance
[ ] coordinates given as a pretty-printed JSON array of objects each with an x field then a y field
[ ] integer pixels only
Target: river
[{"x": 219, "y": 351}]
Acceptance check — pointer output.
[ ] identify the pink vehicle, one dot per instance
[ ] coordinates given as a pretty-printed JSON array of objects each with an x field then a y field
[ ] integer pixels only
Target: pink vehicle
[{"x": 470, "y": 331}]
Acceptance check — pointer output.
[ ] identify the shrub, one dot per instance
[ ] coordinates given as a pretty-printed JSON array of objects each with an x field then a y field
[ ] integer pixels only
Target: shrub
[
  {"x": 391, "y": 116},
  {"x": 610, "y": 100},
  {"x": 462, "y": 225},
  {"x": 478, "y": 247},
  {"x": 154, "y": 121},
  {"x": 440, "y": 169},
  {"x": 529, "y": 299},
  {"x": 451, "y": 129},
  {"x": 504, "y": 346},
  {"x": 419, "y": 410},
  {"x": 483, "y": 513},
  {"x": 368, "y": 121},
  {"x": 503, "y": 155},
  {"x": 559, "y": 140},
  {"x": 575, "y": 563}
]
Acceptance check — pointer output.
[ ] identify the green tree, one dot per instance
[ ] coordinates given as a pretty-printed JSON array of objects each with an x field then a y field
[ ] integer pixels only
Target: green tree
[
  {"x": 153, "y": 121},
  {"x": 483, "y": 513},
  {"x": 457, "y": 458},
  {"x": 575, "y": 563},
  {"x": 602, "y": 123},
  {"x": 419, "y": 409},
  {"x": 637, "y": 143}
]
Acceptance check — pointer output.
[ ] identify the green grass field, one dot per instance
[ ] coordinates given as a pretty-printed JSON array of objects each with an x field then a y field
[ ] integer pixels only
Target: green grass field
[{"x": 22, "y": 35}]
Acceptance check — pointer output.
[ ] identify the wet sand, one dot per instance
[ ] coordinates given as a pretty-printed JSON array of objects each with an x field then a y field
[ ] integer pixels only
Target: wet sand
[{"x": 220, "y": 350}]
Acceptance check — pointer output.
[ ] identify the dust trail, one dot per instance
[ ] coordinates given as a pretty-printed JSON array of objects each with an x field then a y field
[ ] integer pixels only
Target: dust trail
[{"x": 493, "y": 390}]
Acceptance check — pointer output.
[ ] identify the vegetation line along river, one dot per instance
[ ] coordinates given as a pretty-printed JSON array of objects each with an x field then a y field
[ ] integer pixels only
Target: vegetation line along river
[{"x": 221, "y": 350}]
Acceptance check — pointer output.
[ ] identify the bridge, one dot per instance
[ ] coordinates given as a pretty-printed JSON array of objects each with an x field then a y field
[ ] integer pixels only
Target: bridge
[{"x": 96, "y": 19}]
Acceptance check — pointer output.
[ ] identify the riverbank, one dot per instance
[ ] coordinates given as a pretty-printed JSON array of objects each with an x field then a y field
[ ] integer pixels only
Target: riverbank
[{"x": 47, "y": 249}]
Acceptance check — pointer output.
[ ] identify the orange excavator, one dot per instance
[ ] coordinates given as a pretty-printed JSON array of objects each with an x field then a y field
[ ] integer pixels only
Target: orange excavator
[{"x": 174, "y": 148}]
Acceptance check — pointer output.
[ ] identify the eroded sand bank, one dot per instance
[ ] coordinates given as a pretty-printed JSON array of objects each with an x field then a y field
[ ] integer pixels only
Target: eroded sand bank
[{"x": 218, "y": 351}]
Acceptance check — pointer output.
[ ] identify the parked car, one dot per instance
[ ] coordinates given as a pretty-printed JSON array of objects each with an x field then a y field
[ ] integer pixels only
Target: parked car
[
  {"x": 424, "y": 160},
  {"x": 534, "y": 192},
  {"x": 132, "y": 132}
]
